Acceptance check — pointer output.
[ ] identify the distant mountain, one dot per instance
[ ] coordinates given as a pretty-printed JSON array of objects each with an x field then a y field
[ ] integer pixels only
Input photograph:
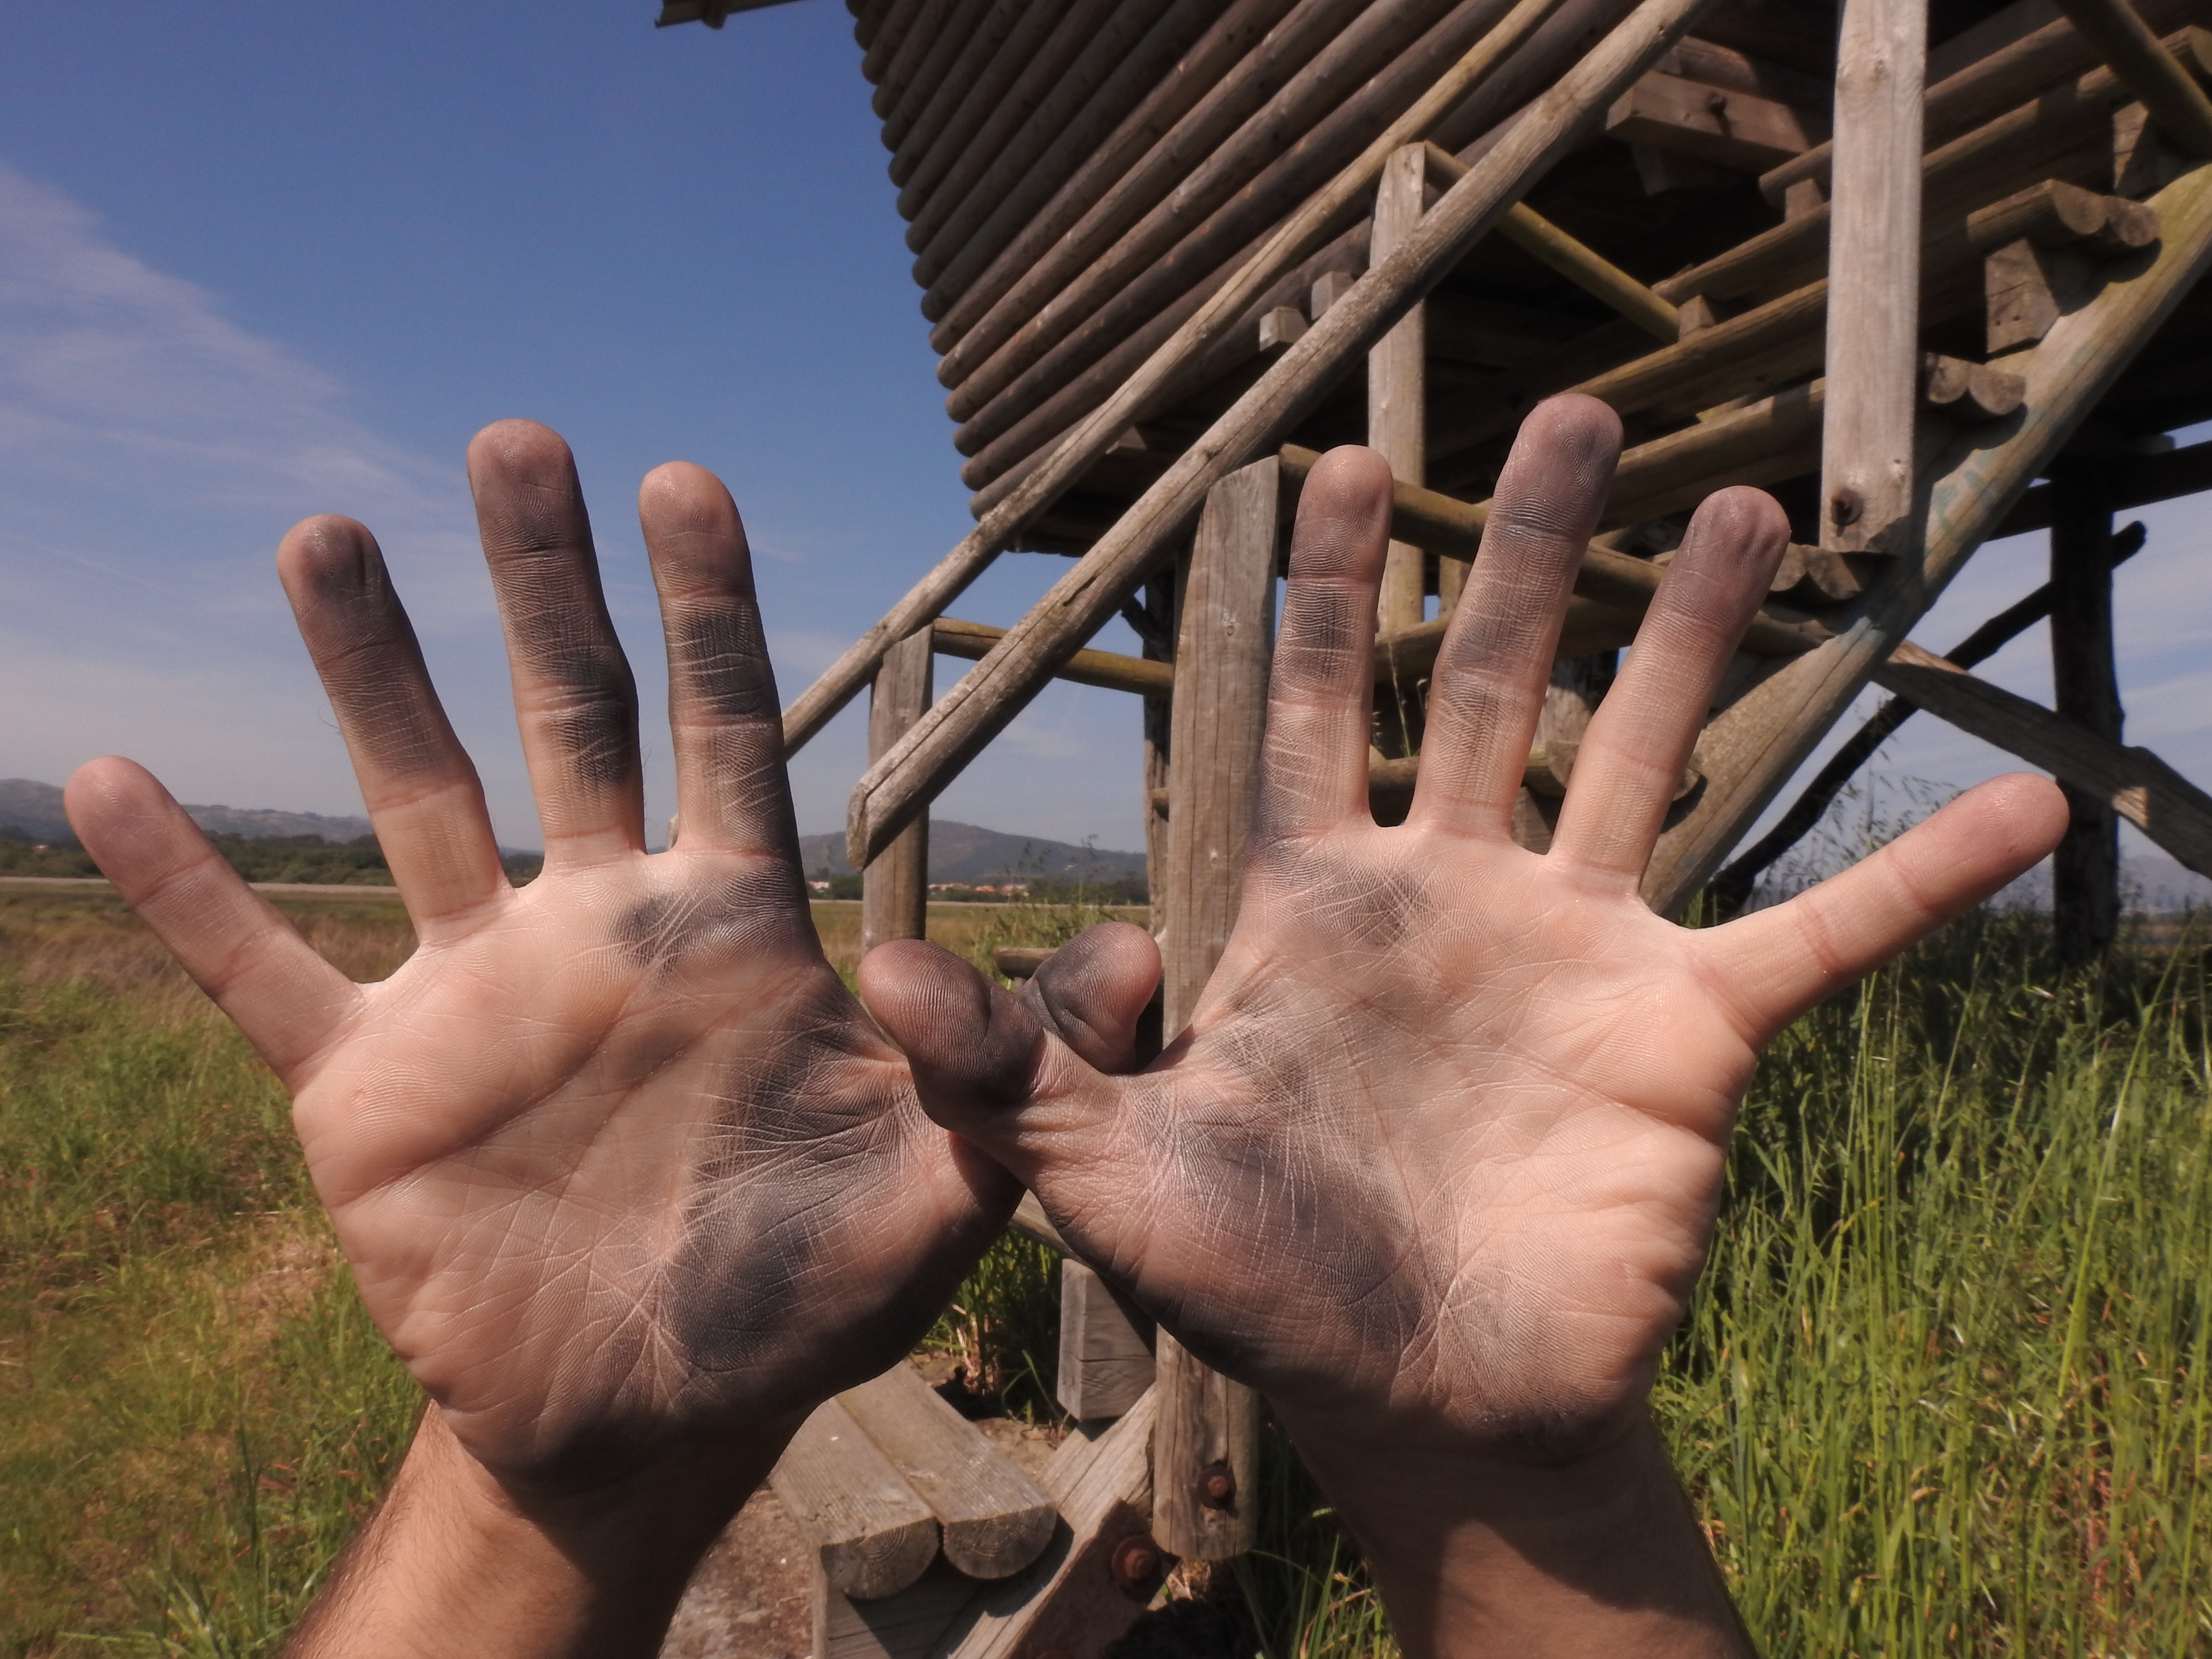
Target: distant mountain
[
  {"x": 964, "y": 853},
  {"x": 36, "y": 809}
]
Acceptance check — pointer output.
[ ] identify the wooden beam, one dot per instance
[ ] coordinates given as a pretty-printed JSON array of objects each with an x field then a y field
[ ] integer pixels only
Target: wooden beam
[
  {"x": 895, "y": 889},
  {"x": 978, "y": 55},
  {"x": 872, "y": 1535},
  {"x": 995, "y": 1520},
  {"x": 1737, "y": 130},
  {"x": 1593, "y": 273},
  {"x": 1110, "y": 670},
  {"x": 1754, "y": 746},
  {"x": 2133, "y": 480},
  {"x": 960, "y": 723},
  {"x": 1222, "y": 661},
  {"x": 1874, "y": 279},
  {"x": 2086, "y": 685},
  {"x": 2133, "y": 783},
  {"x": 1106, "y": 1346},
  {"x": 2125, "y": 41},
  {"x": 1538, "y": 141},
  {"x": 1396, "y": 406}
]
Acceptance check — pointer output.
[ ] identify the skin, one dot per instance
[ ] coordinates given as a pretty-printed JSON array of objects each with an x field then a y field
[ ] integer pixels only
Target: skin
[
  {"x": 1435, "y": 1164},
  {"x": 631, "y": 1184}
]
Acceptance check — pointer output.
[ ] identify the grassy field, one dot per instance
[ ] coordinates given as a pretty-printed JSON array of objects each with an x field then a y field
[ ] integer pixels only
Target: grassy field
[{"x": 1943, "y": 1391}]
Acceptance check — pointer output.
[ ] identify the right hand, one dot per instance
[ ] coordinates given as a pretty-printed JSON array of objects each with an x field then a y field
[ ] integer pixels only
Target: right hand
[{"x": 621, "y": 1170}]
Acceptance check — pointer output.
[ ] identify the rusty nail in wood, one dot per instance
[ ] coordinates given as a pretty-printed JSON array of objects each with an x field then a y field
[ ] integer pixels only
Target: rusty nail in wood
[
  {"x": 1844, "y": 508},
  {"x": 1135, "y": 1562},
  {"x": 1217, "y": 1487}
]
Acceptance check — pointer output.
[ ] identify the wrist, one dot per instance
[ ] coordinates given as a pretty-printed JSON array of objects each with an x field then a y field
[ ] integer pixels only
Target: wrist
[
  {"x": 457, "y": 1561},
  {"x": 1478, "y": 1553}
]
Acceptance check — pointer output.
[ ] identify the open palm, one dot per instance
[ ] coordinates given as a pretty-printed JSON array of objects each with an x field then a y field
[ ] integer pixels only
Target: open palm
[
  {"x": 1442, "y": 1146},
  {"x": 616, "y": 1160}
]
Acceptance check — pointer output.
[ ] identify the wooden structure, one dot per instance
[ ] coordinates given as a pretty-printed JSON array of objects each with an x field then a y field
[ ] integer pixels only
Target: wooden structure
[{"x": 1894, "y": 260}]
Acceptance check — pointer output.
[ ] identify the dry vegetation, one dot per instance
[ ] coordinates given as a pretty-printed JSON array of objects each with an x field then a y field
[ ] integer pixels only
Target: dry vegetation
[{"x": 1943, "y": 1391}]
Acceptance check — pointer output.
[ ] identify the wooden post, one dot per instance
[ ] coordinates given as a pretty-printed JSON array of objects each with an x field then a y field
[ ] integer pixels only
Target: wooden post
[
  {"x": 1874, "y": 278},
  {"x": 1395, "y": 403},
  {"x": 1205, "y": 1450},
  {"x": 895, "y": 889},
  {"x": 2086, "y": 870}
]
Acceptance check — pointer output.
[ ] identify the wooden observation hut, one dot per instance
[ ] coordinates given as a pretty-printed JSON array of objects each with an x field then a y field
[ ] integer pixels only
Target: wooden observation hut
[{"x": 1926, "y": 269}]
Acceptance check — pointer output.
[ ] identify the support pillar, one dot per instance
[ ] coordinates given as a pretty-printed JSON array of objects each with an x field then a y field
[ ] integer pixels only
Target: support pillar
[
  {"x": 1205, "y": 1449},
  {"x": 2085, "y": 869},
  {"x": 1396, "y": 405},
  {"x": 895, "y": 889}
]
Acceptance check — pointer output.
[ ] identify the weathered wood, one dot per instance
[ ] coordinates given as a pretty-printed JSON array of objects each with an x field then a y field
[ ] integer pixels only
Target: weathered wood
[
  {"x": 928, "y": 31},
  {"x": 1968, "y": 393},
  {"x": 1397, "y": 404},
  {"x": 1740, "y": 130},
  {"x": 890, "y": 35},
  {"x": 1508, "y": 171},
  {"x": 1751, "y": 750},
  {"x": 978, "y": 49},
  {"x": 1035, "y": 114},
  {"x": 2133, "y": 783},
  {"x": 895, "y": 889},
  {"x": 1874, "y": 278},
  {"x": 1111, "y": 671},
  {"x": 2131, "y": 481},
  {"x": 1205, "y": 1459},
  {"x": 2028, "y": 288},
  {"x": 872, "y": 1536},
  {"x": 909, "y": 1624},
  {"x": 930, "y": 81},
  {"x": 2086, "y": 687},
  {"x": 1185, "y": 121},
  {"x": 1030, "y": 1221},
  {"x": 2125, "y": 41},
  {"x": 1077, "y": 279},
  {"x": 1070, "y": 1601},
  {"x": 987, "y": 700},
  {"x": 991, "y": 110},
  {"x": 1593, "y": 273},
  {"x": 1222, "y": 661},
  {"x": 994, "y": 1519},
  {"x": 2002, "y": 155},
  {"x": 1105, "y": 1346}
]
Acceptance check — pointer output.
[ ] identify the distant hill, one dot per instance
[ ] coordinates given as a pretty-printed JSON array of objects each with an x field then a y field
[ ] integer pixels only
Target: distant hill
[
  {"x": 964, "y": 853},
  {"x": 36, "y": 809}
]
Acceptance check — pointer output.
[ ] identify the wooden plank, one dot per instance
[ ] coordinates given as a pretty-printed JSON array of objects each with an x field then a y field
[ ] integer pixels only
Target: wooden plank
[
  {"x": 1030, "y": 1221},
  {"x": 2125, "y": 41},
  {"x": 895, "y": 889},
  {"x": 1874, "y": 279},
  {"x": 1105, "y": 1346},
  {"x": 911, "y": 1623},
  {"x": 1072, "y": 1601},
  {"x": 1736, "y": 130},
  {"x": 1752, "y": 749},
  {"x": 2134, "y": 782},
  {"x": 872, "y": 1536},
  {"x": 1111, "y": 671},
  {"x": 994, "y": 1519},
  {"x": 1222, "y": 661},
  {"x": 2085, "y": 692},
  {"x": 1397, "y": 404},
  {"x": 989, "y": 109},
  {"x": 963, "y": 721},
  {"x": 978, "y": 54}
]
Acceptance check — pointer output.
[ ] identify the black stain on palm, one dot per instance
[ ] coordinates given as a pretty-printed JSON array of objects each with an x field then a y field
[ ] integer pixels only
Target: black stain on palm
[
  {"x": 717, "y": 649},
  {"x": 754, "y": 906}
]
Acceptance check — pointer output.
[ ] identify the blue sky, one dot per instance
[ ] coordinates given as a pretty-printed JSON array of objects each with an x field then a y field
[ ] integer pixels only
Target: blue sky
[{"x": 258, "y": 260}]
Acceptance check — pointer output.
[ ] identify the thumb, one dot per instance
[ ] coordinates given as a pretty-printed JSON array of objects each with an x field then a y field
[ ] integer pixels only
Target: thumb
[{"x": 996, "y": 1068}]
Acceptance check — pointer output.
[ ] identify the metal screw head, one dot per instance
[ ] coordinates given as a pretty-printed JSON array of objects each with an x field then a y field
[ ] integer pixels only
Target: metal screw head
[
  {"x": 1844, "y": 508},
  {"x": 1135, "y": 1563},
  {"x": 1217, "y": 1487}
]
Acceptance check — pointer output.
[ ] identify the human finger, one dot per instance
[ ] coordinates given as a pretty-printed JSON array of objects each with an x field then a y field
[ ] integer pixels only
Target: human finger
[
  {"x": 1778, "y": 963},
  {"x": 423, "y": 793},
  {"x": 983, "y": 1063},
  {"x": 723, "y": 714},
  {"x": 1093, "y": 991},
  {"x": 1630, "y": 764},
  {"x": 286, "y": 999},
  {"x": 1487, "y": 688},
  {"x": 1313, "y": 768},
  {"x": 574, "y": 695}
]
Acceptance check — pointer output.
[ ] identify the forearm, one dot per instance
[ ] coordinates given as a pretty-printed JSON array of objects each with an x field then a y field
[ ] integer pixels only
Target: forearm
[
  {"x": 452, "y": 1563},
  {"x": 1599, "y": 1558}
]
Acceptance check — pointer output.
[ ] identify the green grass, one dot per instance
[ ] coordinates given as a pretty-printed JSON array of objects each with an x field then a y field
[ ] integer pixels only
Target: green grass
[{"x": 1942, "y": 1391}]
